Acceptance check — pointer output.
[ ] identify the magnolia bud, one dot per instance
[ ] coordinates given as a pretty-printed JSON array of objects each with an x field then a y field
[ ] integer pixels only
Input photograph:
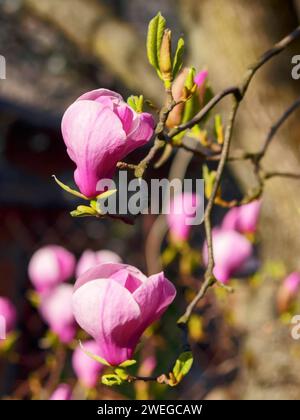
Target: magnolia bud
[{"x": 165, "y": 58}]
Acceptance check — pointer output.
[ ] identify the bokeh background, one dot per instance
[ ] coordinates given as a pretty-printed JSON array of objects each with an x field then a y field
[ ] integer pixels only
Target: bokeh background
[{"x": 55, "y": 50}]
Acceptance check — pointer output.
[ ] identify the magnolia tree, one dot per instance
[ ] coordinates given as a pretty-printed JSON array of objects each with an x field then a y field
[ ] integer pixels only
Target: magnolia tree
[{"x": 101, "y": 318}]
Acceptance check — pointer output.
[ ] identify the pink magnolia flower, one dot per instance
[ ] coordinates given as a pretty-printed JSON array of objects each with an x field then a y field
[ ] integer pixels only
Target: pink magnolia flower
[
  {"x": 9, "y": 313},
  {"x": 183, "y": 208},
  {"x": 244, "y": 219},
  {"x": 56, "y": 310},
  {"x": 99, "y": 129},
  {"x": 49, "y": 266},
  {"x": 115, "y": 303},
  {"x": 91, "y": 258},
  {"x": 87, "y": 369},
  {"x": 288, "y": 291},
  {"x": 62, "y": 392},
  {"x": 231, "y": 251}
]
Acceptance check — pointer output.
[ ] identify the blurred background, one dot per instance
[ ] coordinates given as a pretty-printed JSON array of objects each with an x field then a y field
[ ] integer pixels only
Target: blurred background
[{"x": 56, "y": 50}]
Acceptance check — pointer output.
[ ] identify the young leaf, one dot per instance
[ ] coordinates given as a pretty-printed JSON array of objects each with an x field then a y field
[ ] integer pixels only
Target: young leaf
[
  {"x": 154, "y": 38},
  {"x": 178, "y": 58},
  {"x": 183, "y": 365},
  {"x": 136, "y": 103}
]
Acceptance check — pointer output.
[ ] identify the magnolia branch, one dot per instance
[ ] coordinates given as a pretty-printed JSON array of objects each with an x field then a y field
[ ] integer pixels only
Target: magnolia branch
[{"x": 209, "y": 278}]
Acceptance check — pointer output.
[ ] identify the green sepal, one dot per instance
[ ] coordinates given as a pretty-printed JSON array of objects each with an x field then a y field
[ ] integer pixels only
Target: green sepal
[
  {"x": 127, "y": 363},
  {"x": 69, "y": 190},
  {"x": 94, "y": 356},
  {"x": 111, "y": 380}
]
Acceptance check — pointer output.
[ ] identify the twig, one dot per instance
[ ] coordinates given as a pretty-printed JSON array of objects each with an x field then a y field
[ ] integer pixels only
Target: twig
[{"x": 275, "y": 128}]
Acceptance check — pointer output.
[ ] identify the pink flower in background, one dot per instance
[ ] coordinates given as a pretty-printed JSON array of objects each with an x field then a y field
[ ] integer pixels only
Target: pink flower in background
[
  {"x": 8, "y": 312},
  {"x": 292, "y": 282},
  {"x": 244, "y": 219},
  {"x": 201, "y": 77},
  {"x": 182, "y": 210},
  {"x": 231, "y": 251},
  {"x": 50, "y": 266},
  {"x": 56, "y": 310},
  {"x": 91, "y": 258},
  {"x": 87, "y": 369},
  {"x": 99, "y": 129},
  {"x": 288, "y": 291},
  {"x": 115, "y": 303},
  {"x": 62, "y": 392}
]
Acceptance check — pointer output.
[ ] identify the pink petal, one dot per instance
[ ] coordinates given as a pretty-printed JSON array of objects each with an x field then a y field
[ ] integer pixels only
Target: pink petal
[
  {"x": 153, "y": 297},
  {"x": 107, "y": 270},
  {"x": 99, "y": 94}
]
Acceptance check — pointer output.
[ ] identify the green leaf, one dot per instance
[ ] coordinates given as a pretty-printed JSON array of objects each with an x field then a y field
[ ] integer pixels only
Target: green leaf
[
  {"x": 178, "y": 58},
  {"x": 94, "y": 356},
  {"x": 128, "y": 363},
  {"x": 68, "y": 189},
  {"x": 154, "y": 38},
  {"x": 111, "y": 380},
  {"x": 183, "y": 365}
]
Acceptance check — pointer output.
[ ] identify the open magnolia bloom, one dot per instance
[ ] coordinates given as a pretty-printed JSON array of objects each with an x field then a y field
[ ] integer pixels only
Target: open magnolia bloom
[
  {"x": 115, "y": 303},
  {"x": 99, "y": 129}
]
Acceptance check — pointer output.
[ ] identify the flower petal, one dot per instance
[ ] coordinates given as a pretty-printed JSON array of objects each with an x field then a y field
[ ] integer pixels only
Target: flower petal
[
  {"x": 153, "y": 297},
  {"x": 107, "y": 270}
]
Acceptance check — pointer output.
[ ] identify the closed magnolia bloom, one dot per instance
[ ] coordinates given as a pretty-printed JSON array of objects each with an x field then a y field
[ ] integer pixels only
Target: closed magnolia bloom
[
  {"x": 49, "y": 266},
  {"x": 56, "y": 310},
  {"x": 231, "y": 251},
  {"x": 176, "y": 115},
  {"x": 115, "y": 303},
  {"x": 244, "y": 219},
  {"x": 62, "y": 392},
  {"x": 91, "y": 258},
  {"x": 87, "y": 369},
  {"x": 182, "y": 211},
  {"x": 99, "y": 129},
  {"x": 288, "y": 291},
  {"x": 9, "y": 314}
]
